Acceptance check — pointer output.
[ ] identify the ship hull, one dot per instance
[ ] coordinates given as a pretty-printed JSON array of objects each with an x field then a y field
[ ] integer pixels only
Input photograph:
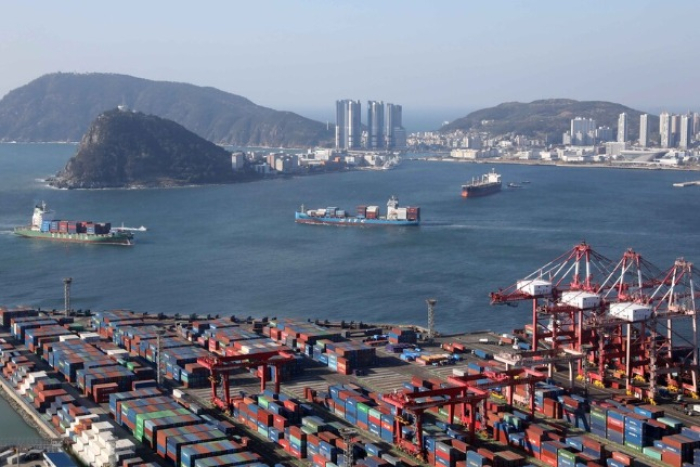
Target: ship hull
[
  {"x": 123, "y": 239},
  {"x": 482, "y": 190},
  {"x": 302, "y": 218}
]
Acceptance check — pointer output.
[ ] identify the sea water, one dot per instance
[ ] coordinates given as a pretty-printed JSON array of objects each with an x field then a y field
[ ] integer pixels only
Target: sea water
[{"x": 235, "y": 249}]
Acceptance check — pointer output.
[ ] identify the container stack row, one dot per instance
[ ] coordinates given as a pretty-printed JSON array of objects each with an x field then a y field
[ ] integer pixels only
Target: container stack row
[
  {"x": 343, "y": 357},
  {"x": 174, "y": 432},
  {"x": 302, "y": 432},
  {"x": 402, "y": 336},
  {"x": 100, "y": 446}
]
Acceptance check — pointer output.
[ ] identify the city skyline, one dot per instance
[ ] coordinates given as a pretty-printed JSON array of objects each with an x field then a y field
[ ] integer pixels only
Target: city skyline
[{"x": 286, "y": 55}]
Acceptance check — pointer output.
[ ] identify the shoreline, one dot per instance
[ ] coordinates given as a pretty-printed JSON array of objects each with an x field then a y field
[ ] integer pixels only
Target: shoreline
[
  {"x": 592, "y": 165},
  {"x": 23, "y": 409}
]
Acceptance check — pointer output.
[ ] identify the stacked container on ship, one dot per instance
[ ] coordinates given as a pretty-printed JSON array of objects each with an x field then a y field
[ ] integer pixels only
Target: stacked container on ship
[
  {"x": 100, "y": 233},
  {"x": 366, "y": 215}
]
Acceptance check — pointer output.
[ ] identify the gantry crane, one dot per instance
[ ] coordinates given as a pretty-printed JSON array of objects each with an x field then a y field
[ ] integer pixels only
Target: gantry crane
[
  {"x": 618, "y": 314},
  {"x": 220, "y": 366},
  {"x": 416, "y": 403}
]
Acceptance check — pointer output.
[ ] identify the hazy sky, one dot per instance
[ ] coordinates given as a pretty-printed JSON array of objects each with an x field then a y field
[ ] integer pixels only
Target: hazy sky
[{"x": 430, "y": 56}]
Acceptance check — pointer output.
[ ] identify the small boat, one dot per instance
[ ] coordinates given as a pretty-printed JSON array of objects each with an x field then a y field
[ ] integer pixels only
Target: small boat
[{"x": 514, "y": 185}]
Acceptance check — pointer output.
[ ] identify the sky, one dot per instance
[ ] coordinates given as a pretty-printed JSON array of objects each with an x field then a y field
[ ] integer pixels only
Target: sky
[{"x": 439, "y": 59}]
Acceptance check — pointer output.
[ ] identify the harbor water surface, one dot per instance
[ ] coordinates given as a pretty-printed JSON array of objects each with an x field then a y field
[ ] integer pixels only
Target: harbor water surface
[{"x": 235, "y": 249}]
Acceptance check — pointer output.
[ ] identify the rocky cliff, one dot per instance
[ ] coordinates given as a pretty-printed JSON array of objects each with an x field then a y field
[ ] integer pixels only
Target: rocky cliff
[{"x": 124, "y": 149}]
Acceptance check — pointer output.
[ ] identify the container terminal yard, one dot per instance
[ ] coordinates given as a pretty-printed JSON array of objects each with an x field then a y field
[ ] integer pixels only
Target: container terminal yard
[{"x": 605, "y": 374}]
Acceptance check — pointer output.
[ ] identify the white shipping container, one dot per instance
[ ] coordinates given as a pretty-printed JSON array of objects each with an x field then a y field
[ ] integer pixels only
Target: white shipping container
[
  {"x": 458, "y": 372},
  {"x": 67, "y": 337},
  {"x": 580, "y": 300},
  {"x": 535, "y": 287},
  {"x": 177, "y": 393},
  {"x": 122, "y": 444},
  {"x": 100, "y": 427},
  {"x": 630, "y": 311}
]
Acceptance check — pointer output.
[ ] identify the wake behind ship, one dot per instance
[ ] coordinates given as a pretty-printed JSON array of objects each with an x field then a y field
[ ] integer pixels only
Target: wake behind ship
[
  {"x": 366, "y": 215},
  {"x": 488, "y": 184},
  {"x": 100, "y": 233}
]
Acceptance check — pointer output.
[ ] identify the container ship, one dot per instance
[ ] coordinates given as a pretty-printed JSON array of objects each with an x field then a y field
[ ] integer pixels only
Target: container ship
[
  {"x": 488, "y": 184},
  {"x": 100, "y": 233},
  {"x": 366, "y": 215}
]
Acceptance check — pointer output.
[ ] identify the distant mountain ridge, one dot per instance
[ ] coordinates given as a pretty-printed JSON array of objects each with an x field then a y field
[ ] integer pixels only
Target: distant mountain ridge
[
  {"x": 60, "y": 107},
  {"x": 549, "y": 118},
  {"x": 124, "y": 149}
]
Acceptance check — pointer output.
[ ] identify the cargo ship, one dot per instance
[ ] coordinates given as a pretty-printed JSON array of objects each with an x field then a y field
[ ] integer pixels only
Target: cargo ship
[
  {"x": 488, "y": 184},
  {"x": 100, "y": 233},
  {"x": 366, "y": 215}
]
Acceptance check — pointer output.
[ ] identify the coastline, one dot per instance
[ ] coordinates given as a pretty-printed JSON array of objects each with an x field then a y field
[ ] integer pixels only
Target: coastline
[
  {"x": 22, "y": 408},
  {"x": 593, "y": 165}
]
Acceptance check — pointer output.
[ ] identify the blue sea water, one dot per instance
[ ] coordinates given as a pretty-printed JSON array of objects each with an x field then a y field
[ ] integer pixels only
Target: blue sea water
[{"x": 235, "y": 249}]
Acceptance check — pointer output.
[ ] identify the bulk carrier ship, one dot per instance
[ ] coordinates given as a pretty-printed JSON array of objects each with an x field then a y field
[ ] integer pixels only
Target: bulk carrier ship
[
  {"x": 100, "y": 233},
  {"x": 366, "y": 215},
  {"x": 488, "y": 184}
]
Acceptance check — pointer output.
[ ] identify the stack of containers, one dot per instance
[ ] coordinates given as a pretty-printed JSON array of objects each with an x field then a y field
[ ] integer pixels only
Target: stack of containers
[
  {"x": 99, "y": 446},
  {"x": 20, "y": 325},
  {"x": 549, "y": 452},
  {"x": 91, "y": 380},
  {"x": 73, "y": 419},
  {"x": 148, "y": 347},
  {"x": 174, "y": 435},
  {"x": 244, "y": 458},
  {"x": 220, "y": 338},
  {"x": 402, "y": 336},
  {"x": 354, "y": 405},
  {"x": 116, "y": 399},
  {"x": 448, "y": 452},
  {"x": 15, "y": 366},
  {"x": 344, "y": 357},
  {"x": 181, "y": 365},
  {"x": 637, "y": 434},
  {"x": 616, "y": 425},
  {"x": 301, "y": 335},
  {"x": 535, "y": 436},
  {"x": 599, "y": 421},
  {"x": 152, "y": 426},
  {"x": 190, "y": 453},
  {"x": 69, "y": 356},
  {"x": 6, "y": 316},
  {"x": 175, "y": 443},
  {"x": 677, "y": 449},
  {"x": 574, "y": 411},
  {"x": 105, "y": 322}
]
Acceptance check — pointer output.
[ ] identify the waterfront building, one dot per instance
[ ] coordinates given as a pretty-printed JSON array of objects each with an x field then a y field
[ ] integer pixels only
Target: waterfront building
[
  {"x": 644, "y": 130},
  {"x": 685, "y": 131},
  {"x": 622, "y": 128},
  {"x": 375, "y": 125},
  {"x": 614, "y": 148},
  {"x": 665, "y": 129},
  {"x": 348, "y": 128},
  {"x": 394, "y": 133},
  {"x": 603, "y": 134},
  {"x": 582, "y": 131},
  {"x": 675, "y": 130}
]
